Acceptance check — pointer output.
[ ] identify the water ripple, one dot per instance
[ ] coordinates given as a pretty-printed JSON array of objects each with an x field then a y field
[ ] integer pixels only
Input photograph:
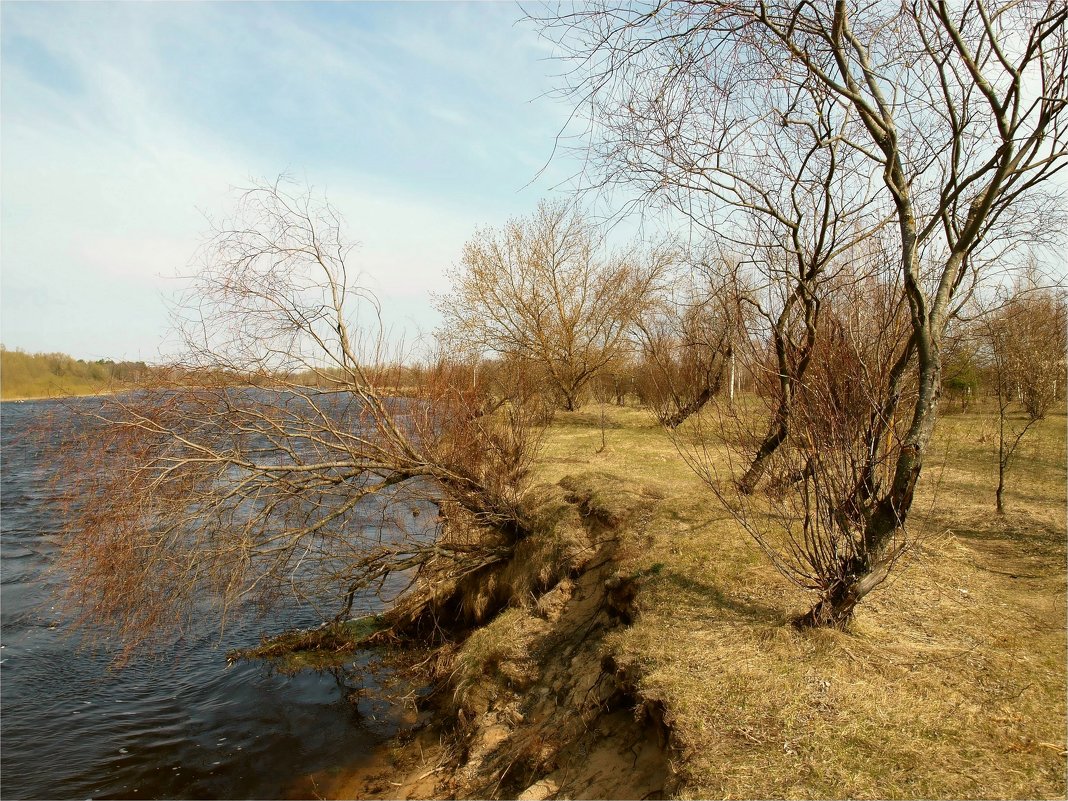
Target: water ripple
[{"x": 181, "y": 726}]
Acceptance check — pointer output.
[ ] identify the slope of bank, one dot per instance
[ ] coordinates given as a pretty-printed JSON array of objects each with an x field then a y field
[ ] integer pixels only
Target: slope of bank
[
  {"x": 661, "y": 663},
  {"x": 529, "y": 704}
]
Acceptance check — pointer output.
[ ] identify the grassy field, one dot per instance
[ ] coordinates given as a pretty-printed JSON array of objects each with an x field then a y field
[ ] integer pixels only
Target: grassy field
[{"x": 950, "y": 683}]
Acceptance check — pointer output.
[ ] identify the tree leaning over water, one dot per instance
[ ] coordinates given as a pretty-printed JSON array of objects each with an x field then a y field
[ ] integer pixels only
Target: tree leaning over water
[
  {"x": 295, "y": 457},
  {"x": 951, "y": 120}
]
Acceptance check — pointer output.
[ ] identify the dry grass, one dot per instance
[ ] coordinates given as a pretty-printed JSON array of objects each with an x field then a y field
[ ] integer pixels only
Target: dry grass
[
  {"x": 497, "y": 654},
  {"x": 951, "y": 682}
]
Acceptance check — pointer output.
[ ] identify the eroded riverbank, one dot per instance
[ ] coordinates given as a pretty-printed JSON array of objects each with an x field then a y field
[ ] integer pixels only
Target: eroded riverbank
[{"x": 527, "y": 702}]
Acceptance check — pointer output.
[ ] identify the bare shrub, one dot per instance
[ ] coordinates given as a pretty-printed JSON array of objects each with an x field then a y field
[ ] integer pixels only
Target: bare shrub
[{"x": 825, "y": 481}]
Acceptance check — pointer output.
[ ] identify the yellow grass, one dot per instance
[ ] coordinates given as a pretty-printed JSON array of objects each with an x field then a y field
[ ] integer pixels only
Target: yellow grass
[{"x": 951, "y": 681}]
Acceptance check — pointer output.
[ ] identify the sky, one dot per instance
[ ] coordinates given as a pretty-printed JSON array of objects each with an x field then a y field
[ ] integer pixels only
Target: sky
[{"x": 126, "y": 124}]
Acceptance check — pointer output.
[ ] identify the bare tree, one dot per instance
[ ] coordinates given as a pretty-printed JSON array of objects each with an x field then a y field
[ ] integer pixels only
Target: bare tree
[
  {"x": 949, "y": 117},
  {"x": 288, "y": 463},
  {"x": 759, "y": 166},
  {"x": 1024, "y": 342},
  {"x": 1033, "y": 323},
  {"x": 540, "y": 291},
  {"x": 688, "y": 340},
  {"x": 824, "y": 480}
]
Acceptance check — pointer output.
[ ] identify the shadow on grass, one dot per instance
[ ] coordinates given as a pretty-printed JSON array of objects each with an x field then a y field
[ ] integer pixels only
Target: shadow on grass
[
  {"x": 1013, "y": 536},
  {"x": 707, "y": 595}
]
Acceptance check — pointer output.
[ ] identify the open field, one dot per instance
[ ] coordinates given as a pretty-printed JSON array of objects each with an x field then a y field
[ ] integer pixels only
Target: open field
[{"x": 951, "y": 681}]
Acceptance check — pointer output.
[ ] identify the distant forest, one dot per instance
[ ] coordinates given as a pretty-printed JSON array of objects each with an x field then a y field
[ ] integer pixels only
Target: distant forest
[
  {"x": 51, "y": 375},
  {"x": 37, "y": 375}
]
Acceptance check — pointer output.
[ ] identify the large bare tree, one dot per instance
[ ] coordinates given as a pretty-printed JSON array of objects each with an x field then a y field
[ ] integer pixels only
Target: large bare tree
[
  {"x": 543, "y": 291},
  {"x": 950, "y": 119}
]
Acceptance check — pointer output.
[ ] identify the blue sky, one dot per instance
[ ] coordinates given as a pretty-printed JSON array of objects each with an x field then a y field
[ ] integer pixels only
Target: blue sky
[{"x": 123, "y": 124}]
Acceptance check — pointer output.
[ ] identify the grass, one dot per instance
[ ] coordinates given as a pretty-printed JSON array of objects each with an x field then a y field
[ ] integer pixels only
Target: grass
[
  {"x": 951, "y": 681},
  {"x": 496, "y": 653}
]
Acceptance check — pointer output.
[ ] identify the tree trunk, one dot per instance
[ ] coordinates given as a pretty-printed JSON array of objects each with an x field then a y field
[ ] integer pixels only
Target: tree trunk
[
  {"x": 567, "y": 391},
  {"x": 833, "y": 611},
  {"x": 861, "y": 576},
  {"x": 999, "y": 494},
  {"x": 731, "y": 390},
  {"x": 835, "y": 608},
  {"x": 791, "y": 375},
  {"x": 775, "y": 437},
  {"x": 866, "y": 572},
  {"x": 685, "y": 412}
]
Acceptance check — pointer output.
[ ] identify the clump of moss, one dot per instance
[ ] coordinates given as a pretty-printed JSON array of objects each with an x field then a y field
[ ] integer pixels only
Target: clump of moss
[{"x": 327, "y": 646}]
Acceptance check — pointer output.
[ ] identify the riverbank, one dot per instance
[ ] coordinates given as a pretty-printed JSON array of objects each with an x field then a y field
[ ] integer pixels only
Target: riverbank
[
  {"x": 43, "y": 376},
  {"x": 102, "y": 393},
  {"x": 665, "y": 664},
  {"x": 529, "y": 705}
]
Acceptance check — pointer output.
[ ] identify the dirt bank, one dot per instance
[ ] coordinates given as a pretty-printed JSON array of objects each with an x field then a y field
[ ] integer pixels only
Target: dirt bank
[
  {"x": 529, "y": 703},
  {"x": 950, "y": 683}
]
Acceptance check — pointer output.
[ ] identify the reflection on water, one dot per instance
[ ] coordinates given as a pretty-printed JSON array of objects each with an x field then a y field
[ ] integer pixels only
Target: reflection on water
[{"x": 183, "y": 725}]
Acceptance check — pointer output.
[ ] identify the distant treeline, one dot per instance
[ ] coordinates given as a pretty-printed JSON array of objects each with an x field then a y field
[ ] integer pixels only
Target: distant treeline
[
  {"x": 46, "y": 375},
  {"x": 33, "y": 375}
]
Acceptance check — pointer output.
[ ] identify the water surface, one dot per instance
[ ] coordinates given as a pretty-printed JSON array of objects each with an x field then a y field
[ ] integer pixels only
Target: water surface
[{"x": 182, "y": 725}]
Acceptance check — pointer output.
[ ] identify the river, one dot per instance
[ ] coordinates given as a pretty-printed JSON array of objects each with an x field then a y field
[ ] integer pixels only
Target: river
[{"x": 180, "y": 725}]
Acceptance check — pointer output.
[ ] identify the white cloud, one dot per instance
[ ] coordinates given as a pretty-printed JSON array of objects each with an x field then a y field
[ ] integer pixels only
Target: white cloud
[{"x": 109, "y": 158}]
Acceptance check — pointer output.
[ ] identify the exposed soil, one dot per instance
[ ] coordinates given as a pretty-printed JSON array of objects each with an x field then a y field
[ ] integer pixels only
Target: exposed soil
[{"x": 531, "y": 705}]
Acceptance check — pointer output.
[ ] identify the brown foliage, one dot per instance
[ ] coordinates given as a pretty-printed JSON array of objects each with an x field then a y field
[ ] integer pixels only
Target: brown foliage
[
  {"x": 314, "y": 482},
  {"x": 541, "y": 292}
]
